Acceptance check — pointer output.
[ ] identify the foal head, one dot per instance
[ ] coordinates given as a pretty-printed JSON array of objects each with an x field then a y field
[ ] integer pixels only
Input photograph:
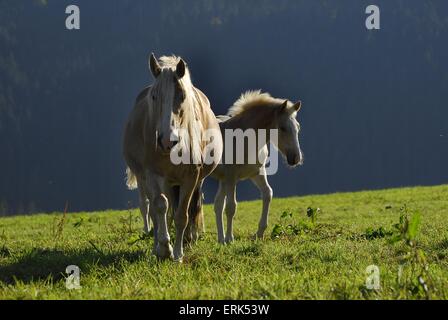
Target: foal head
[
  {"x": 260, "y": 110},
  {"x": 170, "y": 99},
  {"x": 288, "y": 132}
]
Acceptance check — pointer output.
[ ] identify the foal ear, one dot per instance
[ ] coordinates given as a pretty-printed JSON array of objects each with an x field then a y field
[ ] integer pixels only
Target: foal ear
[
  {"x": 180, "y": 69},
  {"x": 154, "y": 66}
]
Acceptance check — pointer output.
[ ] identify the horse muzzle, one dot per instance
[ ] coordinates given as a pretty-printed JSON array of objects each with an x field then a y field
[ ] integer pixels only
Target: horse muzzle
[
  {"x": 295, "y": 159},
  {"x": 165, "y": 143}
]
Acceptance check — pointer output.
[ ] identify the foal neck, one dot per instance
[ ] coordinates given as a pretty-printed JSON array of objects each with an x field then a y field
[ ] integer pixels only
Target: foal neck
[{"x": 258, "y": 118}]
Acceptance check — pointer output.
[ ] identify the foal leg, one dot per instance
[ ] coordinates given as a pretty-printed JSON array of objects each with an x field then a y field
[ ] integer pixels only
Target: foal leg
[
  {"x": 262, "y": 184},
  {"x": 230, "y": 209},
  {"x": 181, "y": 218},
  {"x": 220, "y": 199}
]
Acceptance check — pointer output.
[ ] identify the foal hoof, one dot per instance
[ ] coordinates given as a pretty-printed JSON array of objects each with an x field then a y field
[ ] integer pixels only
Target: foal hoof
[{"x": 257, "y": 236}]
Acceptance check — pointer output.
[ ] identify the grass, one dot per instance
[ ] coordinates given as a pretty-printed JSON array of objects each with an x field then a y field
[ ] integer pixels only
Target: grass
[{"x": 312, "y": 254}]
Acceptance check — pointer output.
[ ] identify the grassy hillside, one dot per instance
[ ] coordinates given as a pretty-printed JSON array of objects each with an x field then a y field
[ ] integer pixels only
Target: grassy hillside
[{"x": 324, "y": 259}]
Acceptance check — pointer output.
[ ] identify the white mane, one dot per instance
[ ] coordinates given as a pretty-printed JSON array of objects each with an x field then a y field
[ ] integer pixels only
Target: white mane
[{"x": 191, "y": 111}]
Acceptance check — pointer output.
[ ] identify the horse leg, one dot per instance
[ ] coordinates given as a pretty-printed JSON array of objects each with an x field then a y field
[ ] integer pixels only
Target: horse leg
[
  {"x": 159, "y": 205},
  {"x": 144, "y": 203},
  {"x": 230, "y": 209},
  {"x": 169, "y": 191},
  {"x": 181, "y": 218},
  {"x": 195, "y": 216},
  {"x": 220, "y": 199},
  {"x": 262, "y": 184},
  {"x": 152, "y": 215}
]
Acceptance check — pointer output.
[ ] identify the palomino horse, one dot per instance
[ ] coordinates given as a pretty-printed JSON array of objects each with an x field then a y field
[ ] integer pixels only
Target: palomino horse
[
  {"x": 254, "y": 111},
  {"x": 169, "y": 118}
]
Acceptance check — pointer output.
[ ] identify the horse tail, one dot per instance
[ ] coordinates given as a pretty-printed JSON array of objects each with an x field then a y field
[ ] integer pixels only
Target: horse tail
[{"x": 131, "y": 179}]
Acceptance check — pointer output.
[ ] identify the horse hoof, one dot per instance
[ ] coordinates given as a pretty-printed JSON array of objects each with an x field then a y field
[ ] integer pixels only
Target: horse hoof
[
  {"x": 230, "y": 240},
  {"x": 178, "y": 260},
  {"x": 164, "y": 252}
]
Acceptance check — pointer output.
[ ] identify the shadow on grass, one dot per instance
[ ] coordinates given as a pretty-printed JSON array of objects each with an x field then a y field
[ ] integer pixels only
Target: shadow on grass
[
  {"x": 42, "y": 264},
  {"x": 441, "y": 245}
]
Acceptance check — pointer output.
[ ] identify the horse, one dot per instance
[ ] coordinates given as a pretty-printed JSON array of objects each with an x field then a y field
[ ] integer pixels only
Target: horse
[
  {"x": 171, "y": 119},
  {"x": 254, "y": 110}
]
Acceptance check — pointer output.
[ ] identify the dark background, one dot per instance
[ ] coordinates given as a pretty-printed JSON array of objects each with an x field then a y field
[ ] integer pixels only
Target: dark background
[{"x": 374, "y": 116}]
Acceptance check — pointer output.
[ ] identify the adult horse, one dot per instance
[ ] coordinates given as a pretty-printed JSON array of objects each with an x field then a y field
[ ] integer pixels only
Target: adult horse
[
  {"x": 254, "y": 112},
  {"x": 171, "y": 143}
]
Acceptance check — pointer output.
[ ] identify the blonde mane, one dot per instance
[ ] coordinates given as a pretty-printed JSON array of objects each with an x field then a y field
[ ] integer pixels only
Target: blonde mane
[
  {"x": 251, "y": 99},
  {"x": 192, "y": 112}
]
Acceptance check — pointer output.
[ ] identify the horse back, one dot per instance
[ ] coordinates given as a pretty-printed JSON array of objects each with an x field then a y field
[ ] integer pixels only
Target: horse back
[{"x": 133, "y": 139}]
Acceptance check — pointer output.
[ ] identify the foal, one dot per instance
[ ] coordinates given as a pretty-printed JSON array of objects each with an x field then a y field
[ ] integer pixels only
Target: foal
[{"x": 254, "y": 110}]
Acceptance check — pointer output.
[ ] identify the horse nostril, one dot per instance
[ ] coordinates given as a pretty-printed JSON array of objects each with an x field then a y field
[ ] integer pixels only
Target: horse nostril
[{"x": 294, "y": 159}]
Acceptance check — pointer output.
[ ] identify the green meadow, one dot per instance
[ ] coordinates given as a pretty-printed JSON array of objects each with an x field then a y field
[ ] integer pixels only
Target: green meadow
[{"x": 316, "y": 247}]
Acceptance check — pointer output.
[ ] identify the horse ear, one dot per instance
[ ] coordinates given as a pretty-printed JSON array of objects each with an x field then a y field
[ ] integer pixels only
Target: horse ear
[
  {"x": 297, "y": 106},
  {"x": 283, "y": 107},
  {"x": 180, "y": 69},
  {"x": 154, "y": 66}
]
